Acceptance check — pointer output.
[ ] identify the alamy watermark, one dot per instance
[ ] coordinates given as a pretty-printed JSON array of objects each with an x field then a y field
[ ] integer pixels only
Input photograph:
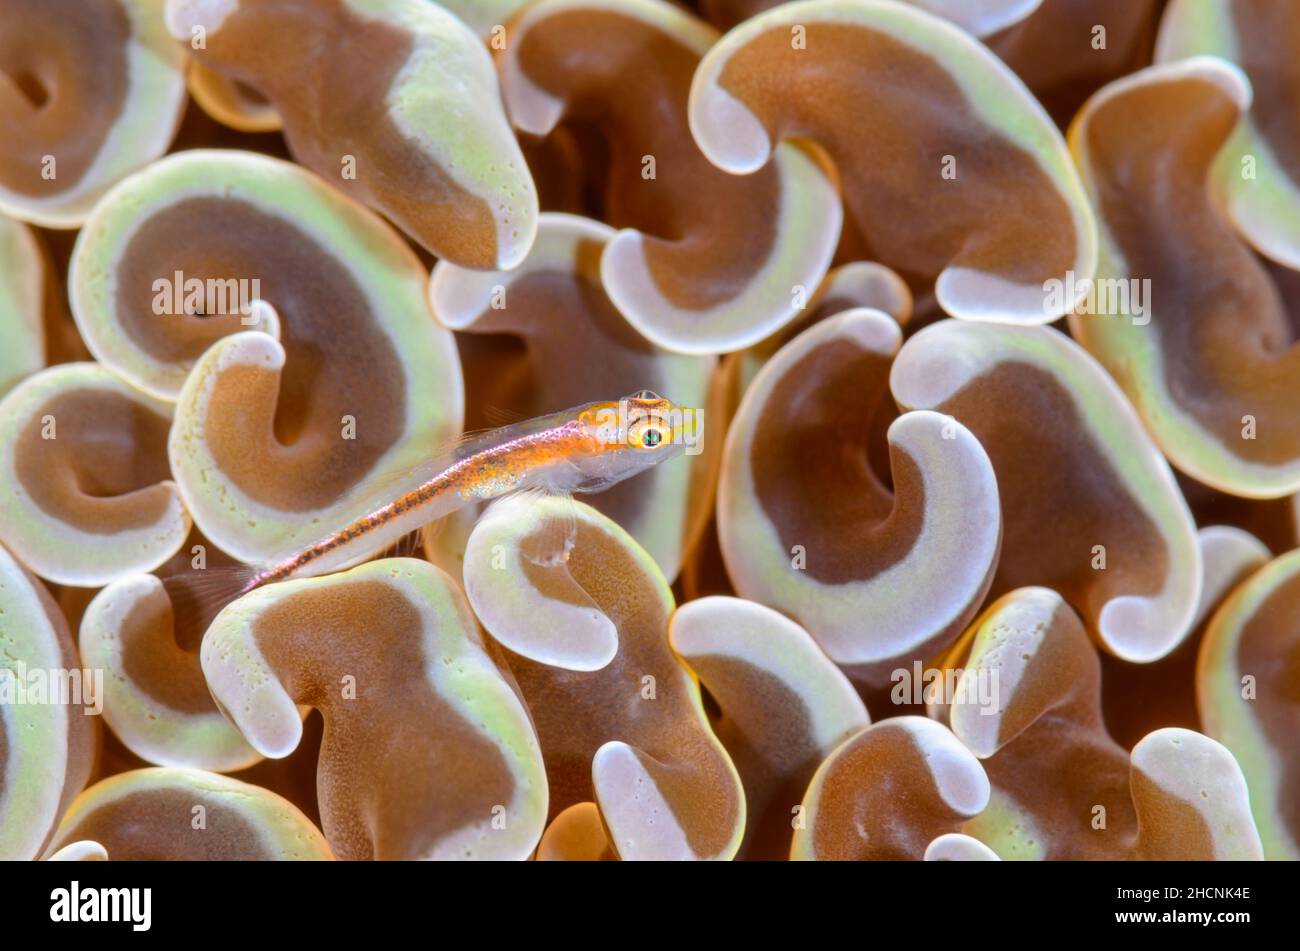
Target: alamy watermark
[
  {"x": 21, "y": 685},
  {"x": 76, "y": 903},
  {"x": 946, "y": 687},
  {"x": 1103, "y": 297},
  {"x": 211, "y": 297},
  {"x": 646, "y": 426}
]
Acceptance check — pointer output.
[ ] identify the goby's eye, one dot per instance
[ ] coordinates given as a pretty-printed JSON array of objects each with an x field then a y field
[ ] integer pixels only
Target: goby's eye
[{"x": 651, "y": 438}]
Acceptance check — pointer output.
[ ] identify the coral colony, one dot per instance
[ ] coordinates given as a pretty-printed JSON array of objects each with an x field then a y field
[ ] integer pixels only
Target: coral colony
[{"x": 623, "y": 429}]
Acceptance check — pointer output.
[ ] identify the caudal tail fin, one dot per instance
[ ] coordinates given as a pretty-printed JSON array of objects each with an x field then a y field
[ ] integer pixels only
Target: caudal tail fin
[{"x": 198, "y": 595}]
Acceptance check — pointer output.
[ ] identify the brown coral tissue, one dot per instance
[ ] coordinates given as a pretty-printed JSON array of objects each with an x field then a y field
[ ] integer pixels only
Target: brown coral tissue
[{"x": 598, "y": 430}]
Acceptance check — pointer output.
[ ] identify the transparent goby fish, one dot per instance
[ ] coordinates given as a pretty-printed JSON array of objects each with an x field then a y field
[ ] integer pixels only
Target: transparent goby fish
[{"x": 584, "y": 449}]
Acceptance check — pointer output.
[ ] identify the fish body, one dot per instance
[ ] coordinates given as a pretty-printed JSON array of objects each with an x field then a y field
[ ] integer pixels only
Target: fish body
[{"x": 584, "y": 449}]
